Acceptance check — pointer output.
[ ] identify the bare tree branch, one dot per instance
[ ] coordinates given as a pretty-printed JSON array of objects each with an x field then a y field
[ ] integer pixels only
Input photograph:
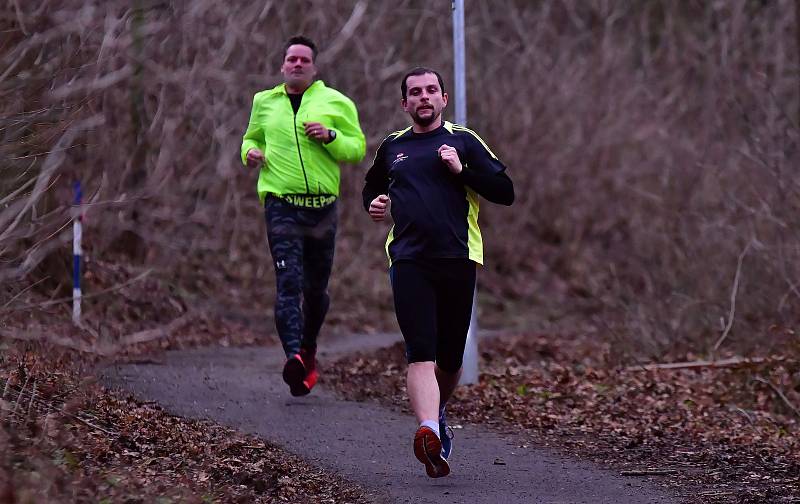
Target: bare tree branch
[{"x": 734, "y": 292}]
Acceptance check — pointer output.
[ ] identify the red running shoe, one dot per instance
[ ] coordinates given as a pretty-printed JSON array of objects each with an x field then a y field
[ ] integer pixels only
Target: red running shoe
[
  {"x": 310, "y": 360},
  {"x": 428, "y": 450},
  {"x": 294, "y": 374}
]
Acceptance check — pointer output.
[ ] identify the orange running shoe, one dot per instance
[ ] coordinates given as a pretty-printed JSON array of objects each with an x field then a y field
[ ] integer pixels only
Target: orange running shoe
[{"x": 428, "y": 450}]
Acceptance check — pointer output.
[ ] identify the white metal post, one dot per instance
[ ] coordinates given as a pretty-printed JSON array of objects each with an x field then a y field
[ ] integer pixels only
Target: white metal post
[
  {"x": 460, "y": 87},
  {"x": 470, "y": 370}
]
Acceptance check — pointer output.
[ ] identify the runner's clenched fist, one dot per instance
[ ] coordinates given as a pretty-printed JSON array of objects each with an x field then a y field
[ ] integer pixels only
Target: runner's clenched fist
[{"x": 450, "y": 157}]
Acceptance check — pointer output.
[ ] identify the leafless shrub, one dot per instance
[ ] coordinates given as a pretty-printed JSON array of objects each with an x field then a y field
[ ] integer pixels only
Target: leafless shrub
[{"x": 649, "y": 142}]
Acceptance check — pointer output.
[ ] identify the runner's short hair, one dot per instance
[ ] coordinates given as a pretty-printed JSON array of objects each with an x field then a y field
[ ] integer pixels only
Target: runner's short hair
[
  {"x": 300, "y": 40},
  {"x": 419, "y": 71}
]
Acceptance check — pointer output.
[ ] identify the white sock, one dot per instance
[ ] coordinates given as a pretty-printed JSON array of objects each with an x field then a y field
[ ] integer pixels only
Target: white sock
[{"x": 432, "y": 425}]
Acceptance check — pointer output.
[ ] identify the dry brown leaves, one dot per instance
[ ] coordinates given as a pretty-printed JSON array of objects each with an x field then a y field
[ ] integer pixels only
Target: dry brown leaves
[
  {"x": 726, "y": 430},
  {"x": 65, "y": 439}
]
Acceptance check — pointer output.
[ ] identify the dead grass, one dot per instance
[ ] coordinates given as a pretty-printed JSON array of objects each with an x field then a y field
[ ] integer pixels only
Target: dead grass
[{"x": 651, "y": 144}]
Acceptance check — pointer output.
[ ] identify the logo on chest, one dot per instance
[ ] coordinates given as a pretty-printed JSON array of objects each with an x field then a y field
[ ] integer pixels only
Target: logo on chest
[{"x": 400, "y": 158}]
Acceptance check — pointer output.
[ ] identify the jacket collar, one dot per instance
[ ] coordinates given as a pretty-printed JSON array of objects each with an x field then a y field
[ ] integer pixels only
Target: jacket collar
[{"x": 317, "y": 84}]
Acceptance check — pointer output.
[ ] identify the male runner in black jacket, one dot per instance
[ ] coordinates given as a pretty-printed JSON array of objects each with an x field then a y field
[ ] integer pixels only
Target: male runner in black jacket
[{"x": 429, "y": 177}]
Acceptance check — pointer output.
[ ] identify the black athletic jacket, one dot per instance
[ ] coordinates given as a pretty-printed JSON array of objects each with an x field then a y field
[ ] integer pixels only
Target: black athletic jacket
[{"x": 435, "y": 212}]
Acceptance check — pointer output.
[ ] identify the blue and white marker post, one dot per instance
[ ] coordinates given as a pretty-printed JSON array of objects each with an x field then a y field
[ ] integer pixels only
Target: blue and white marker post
[{"x": 77, "y": 234}]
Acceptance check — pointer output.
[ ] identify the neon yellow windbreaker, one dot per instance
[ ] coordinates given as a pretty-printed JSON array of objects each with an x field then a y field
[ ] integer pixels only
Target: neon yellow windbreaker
[{"x": 296, "y": 164}]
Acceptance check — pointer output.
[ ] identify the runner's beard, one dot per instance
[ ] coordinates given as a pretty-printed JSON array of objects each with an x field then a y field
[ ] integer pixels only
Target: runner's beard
[{"x": 425, "y": 121}]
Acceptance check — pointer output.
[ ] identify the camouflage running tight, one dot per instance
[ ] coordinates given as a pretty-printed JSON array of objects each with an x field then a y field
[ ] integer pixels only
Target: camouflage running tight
[{"x": 301, "y": 241}]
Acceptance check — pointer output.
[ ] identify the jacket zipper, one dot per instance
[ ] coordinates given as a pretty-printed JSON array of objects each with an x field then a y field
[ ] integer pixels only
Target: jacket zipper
[{"x": 299, "y": 154}]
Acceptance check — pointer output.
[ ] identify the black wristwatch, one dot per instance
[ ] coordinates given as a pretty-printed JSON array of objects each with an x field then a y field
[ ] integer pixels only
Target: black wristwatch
[{"x": 331, "y": 136}]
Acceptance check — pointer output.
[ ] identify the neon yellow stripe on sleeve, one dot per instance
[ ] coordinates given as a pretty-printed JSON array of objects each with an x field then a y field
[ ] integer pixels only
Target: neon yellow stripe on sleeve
[{"x": 474, "y": 239}]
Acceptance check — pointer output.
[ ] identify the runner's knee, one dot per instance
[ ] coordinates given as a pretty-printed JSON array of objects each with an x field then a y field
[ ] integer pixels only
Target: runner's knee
[{"x": 450, "y": 363}]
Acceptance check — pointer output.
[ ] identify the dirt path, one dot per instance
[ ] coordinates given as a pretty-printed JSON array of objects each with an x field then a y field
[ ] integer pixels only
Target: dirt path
[{"x": 369, "y": 444}]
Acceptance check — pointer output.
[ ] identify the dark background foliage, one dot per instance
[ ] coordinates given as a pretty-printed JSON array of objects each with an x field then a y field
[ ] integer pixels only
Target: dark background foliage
[{"x": 653, "y": 145}]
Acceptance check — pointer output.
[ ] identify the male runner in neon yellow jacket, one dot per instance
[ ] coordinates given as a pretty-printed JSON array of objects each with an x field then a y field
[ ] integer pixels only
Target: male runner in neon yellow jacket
[{"x": 299, "y": 132}]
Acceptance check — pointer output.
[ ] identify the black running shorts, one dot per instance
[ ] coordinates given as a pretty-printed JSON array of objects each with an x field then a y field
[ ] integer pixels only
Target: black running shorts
[{"x": 433, "y": 304}]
